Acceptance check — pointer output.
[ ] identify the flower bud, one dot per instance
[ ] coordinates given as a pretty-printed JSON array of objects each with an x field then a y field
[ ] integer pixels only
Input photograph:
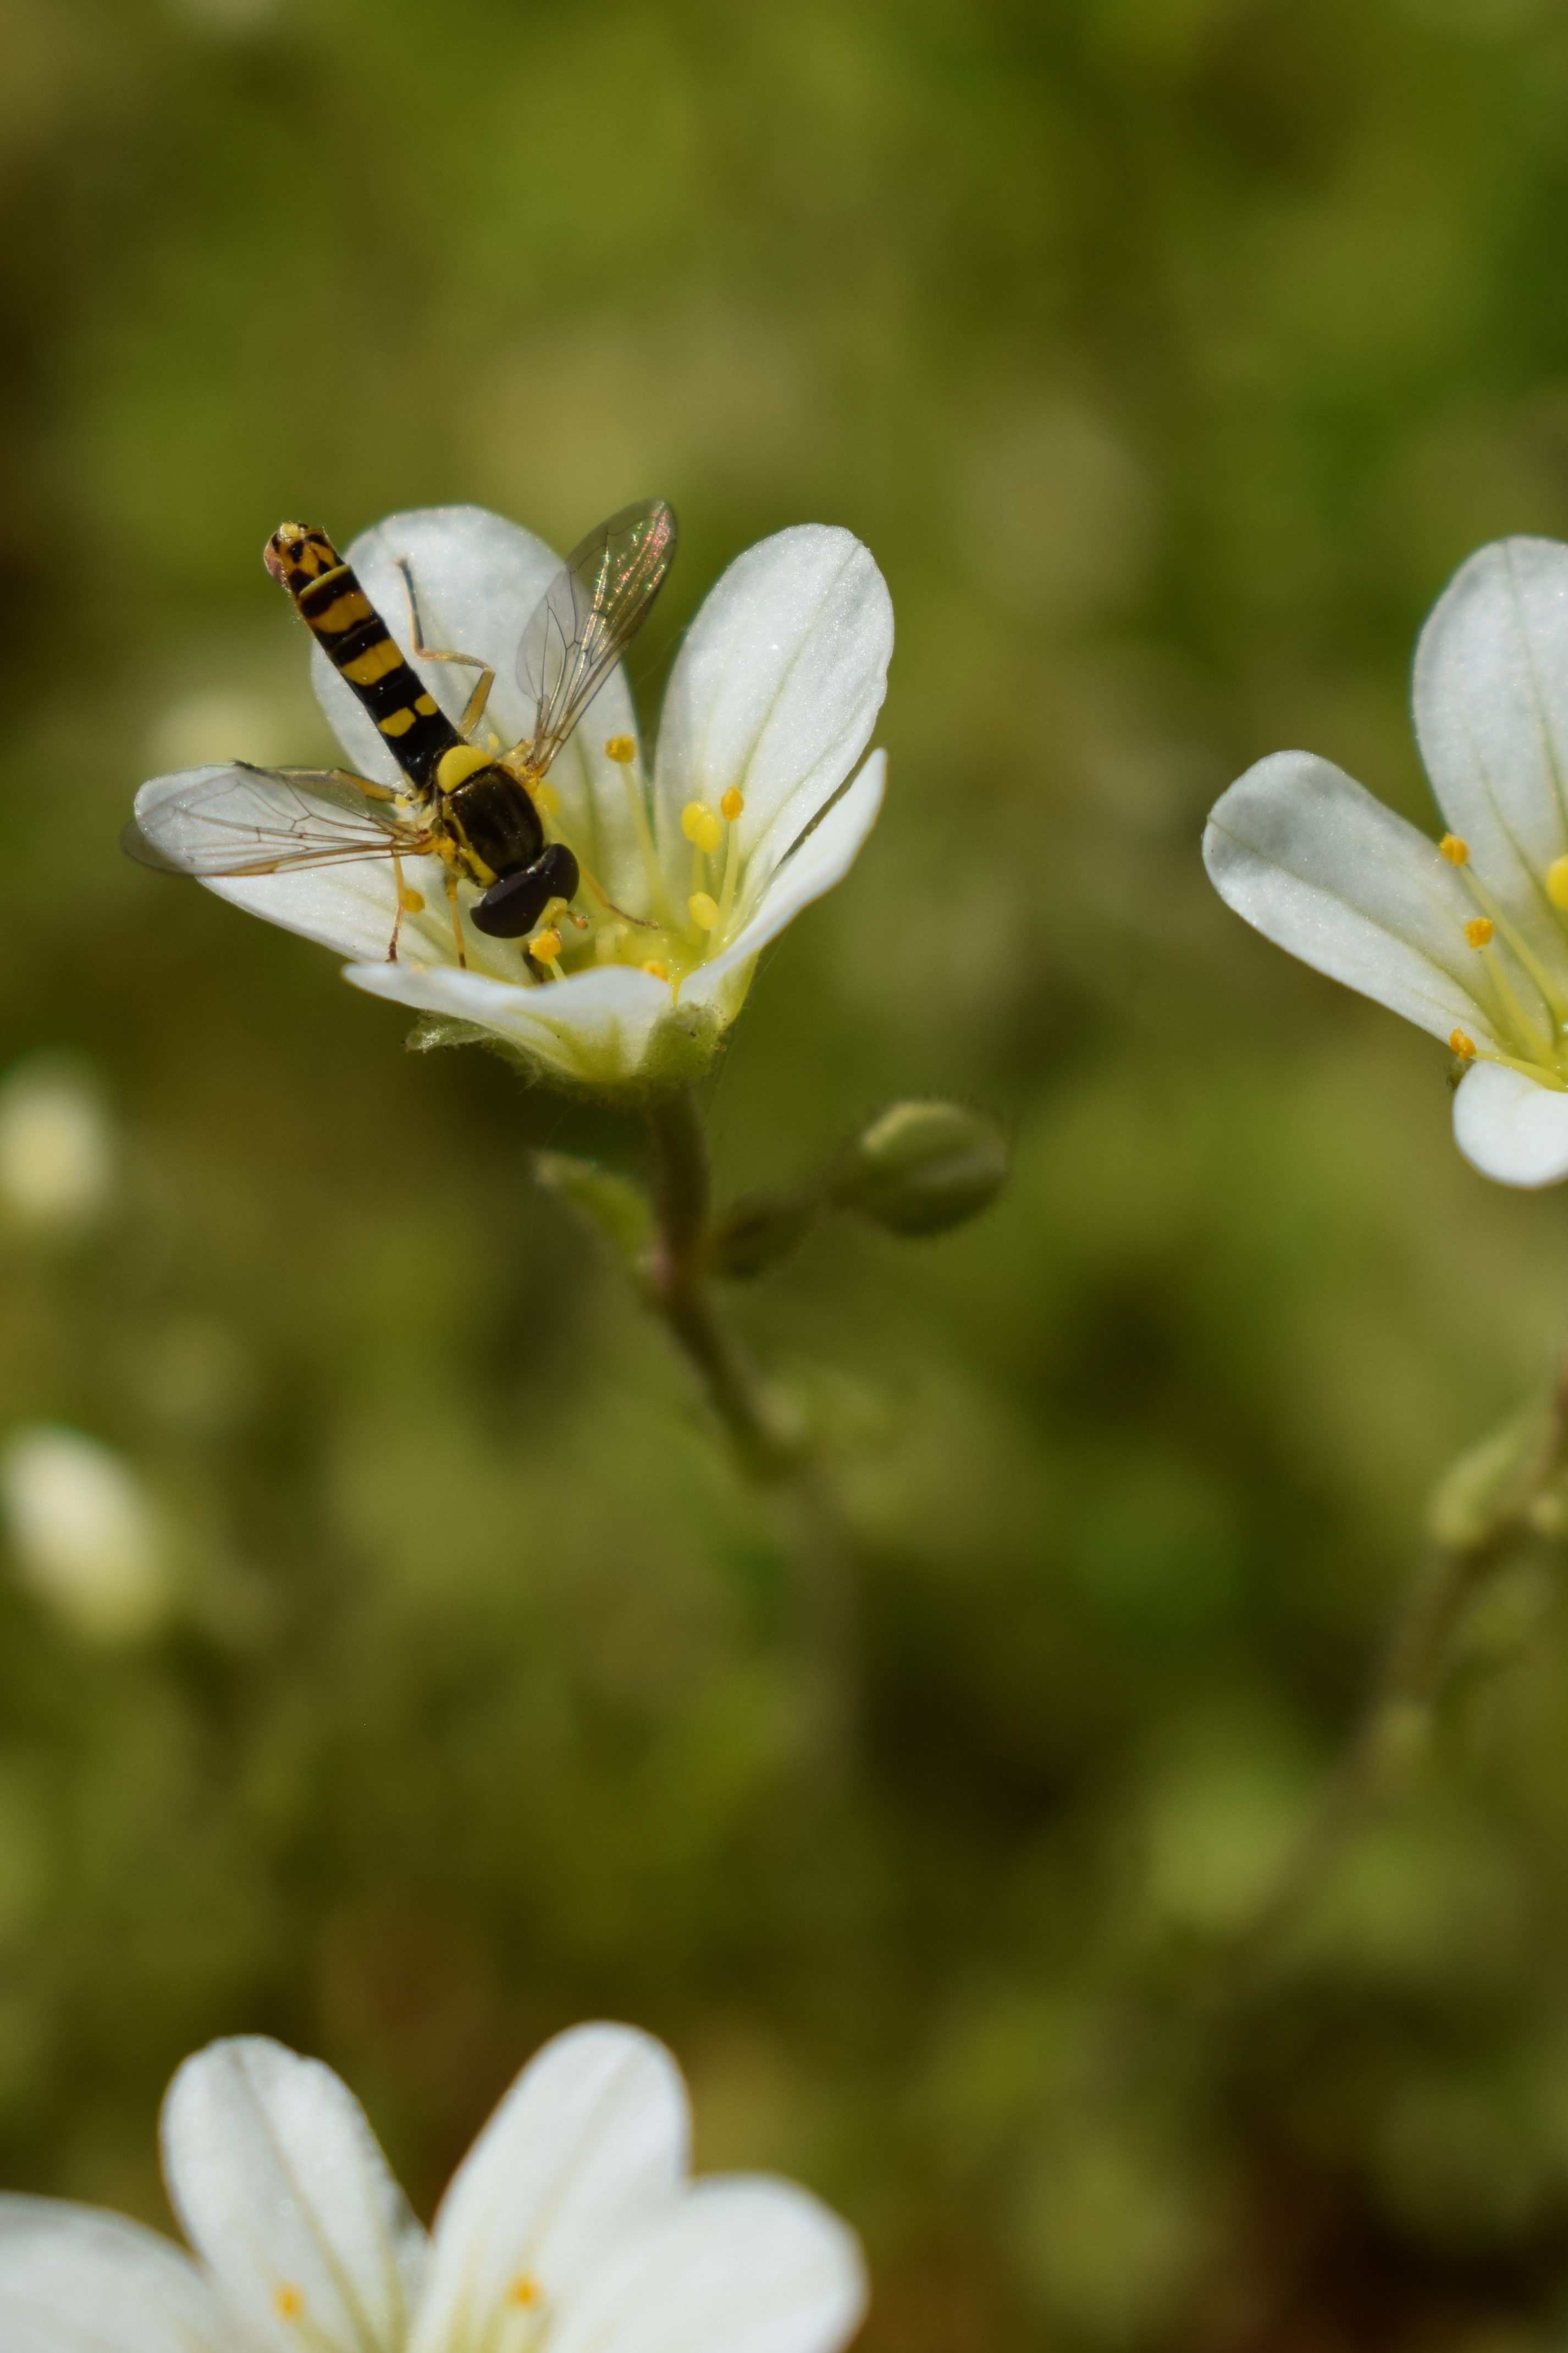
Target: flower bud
[
  {"x": 84, "y": 1536},
  {"x": 57, "y": 1155},
  {"x": 921, "y": 1167}
]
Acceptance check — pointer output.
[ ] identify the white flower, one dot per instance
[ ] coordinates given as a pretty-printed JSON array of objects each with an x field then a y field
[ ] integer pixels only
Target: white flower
[
  {"x": 771, "y": 703},
  {"x": 1468, "y": 937},
  {"x": 570, "y": 2228},
  {"x": 85, "y": 1539}
]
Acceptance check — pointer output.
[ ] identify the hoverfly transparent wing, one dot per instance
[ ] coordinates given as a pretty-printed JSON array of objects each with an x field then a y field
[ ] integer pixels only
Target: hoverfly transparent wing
[
  {"x": 243, "y": 820},
  {"x": 588, "y": 615}
]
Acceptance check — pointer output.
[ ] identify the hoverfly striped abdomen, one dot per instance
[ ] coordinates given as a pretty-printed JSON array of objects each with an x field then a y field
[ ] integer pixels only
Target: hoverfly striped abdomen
[{"x": 357, "y": 642}]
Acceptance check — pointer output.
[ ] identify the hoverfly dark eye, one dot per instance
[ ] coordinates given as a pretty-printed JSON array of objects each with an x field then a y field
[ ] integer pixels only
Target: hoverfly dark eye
[{"x": 513, "y": 906}]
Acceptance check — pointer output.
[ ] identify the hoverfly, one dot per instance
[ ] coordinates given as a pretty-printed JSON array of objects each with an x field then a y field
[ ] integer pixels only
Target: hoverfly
[{"x": 472, "y": 808}]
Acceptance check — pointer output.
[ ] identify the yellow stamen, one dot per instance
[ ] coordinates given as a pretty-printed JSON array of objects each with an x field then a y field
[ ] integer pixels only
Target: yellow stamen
[
  {"x": 545, "y": 947},
  {"x": 1480, "y": 932},
  {"x": 1456, "y": 851},
  {"x": 734, "y": 803},
  {"x": 702, "y": 910},
  {"x": 1557, "y": 883},
  {"x": 622, "y": 750},
  {"x": 700, "y": 826},
  {"x": 653, "y": 873},
  {"x": 659, "y": 971},
  {"x": 1464, "y": 1047},
  {"x": 413, "y": 901},
  {"x": 525, "y": 2290},
  {"x": 288, "y": 2302}
]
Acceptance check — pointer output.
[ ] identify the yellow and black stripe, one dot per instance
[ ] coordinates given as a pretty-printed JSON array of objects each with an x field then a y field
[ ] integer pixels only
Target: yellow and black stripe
[{"x": 360, "y": 648}]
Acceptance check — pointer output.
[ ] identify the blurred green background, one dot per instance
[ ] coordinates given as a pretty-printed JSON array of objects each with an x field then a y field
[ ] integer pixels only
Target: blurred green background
[{"x": 1169, "y": 355}]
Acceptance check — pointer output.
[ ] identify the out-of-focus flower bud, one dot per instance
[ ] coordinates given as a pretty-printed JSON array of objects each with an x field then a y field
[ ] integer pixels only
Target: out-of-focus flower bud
[
  {"x": 57, "y": 1155},
  {"x": 84, "y": 1538},
  {"x": 921, "y": 1167}
]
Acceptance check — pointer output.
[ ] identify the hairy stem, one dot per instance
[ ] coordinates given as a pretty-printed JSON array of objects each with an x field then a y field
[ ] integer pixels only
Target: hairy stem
[
  {"x": 769, "y": 1445},
  {"x": 1397, "y": 1719}
]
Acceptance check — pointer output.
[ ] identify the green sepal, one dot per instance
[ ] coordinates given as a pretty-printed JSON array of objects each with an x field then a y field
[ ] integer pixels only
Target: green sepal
[
  {"x": 682, "y": 1048},
  {"x": 617, "y": 1211},
  {"x": 759, "y": 1232},
  {"x": 922, "y": 1168}
]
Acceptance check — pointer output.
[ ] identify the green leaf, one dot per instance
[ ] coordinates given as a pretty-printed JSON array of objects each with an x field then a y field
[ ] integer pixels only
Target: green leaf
[{"x": 618, "y": 1210}]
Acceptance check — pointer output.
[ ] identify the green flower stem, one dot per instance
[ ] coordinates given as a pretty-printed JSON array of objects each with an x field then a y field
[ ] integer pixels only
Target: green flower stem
[
  {"x": 1471, "y": 1544},
  {"x": 770, "y": 1447},
  {"x": 767, "y": 1445}
]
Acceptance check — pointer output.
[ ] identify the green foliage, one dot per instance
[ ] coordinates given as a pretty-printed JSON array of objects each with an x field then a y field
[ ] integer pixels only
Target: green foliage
[{"x": 1168, "y": 353}]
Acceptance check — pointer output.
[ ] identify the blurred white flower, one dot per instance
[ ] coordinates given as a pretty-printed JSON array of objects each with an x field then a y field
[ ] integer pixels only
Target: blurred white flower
[
  {"x": 570, "y": 2228},
  {"x": 748, "y": 817},
  {"x": 84, "y": 1536},
  {"x": 57, "y": 1155},
  {"x": 1467, "y": 938}
]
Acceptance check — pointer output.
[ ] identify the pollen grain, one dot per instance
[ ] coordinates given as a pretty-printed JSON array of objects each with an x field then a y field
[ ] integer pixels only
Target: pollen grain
[{"x": 1479, "y": 932}]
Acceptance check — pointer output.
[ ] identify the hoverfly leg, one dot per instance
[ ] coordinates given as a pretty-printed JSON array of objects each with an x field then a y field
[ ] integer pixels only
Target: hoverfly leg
[
  {"x": 473, "y": 710},
  {"x": 402, "y": 901},
  {"x": 643, "y": 923},
  {"x": 457, "y": 917}
]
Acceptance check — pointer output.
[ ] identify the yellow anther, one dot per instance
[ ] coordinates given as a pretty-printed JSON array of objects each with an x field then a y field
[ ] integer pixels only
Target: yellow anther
[
  {"x": 413, "y": 901},
  {"x": 525, "y": 2290},
  {"x": 659, "y": 971},
  {"x": 545, "y": 945},
  {"x": 1458, "y": 852},
  {"x": 622, "y": 750},
  {"x": 1480, "y": 931},
  {"x": 288, "y": 2302},
  {"x": 733, "y": 802},
  {"x": 1557, "y": 882},
  {"x": 701, "y": 827},
  {"x": 546, "y": 799},
  {"x": 702, "y": 910},
  {"x": 1464, "y": 1047}
]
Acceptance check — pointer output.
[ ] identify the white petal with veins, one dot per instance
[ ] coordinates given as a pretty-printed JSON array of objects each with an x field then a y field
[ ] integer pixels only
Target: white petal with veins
[
  {"x": 280, "y": 2186},
  {"x": 588, "y": 2145},
  {"x": 73, "y": 2281},
  {"x": 1321, "y": 868},
  {"x": 1491, "y": 714},
  {"x": 1510, "y": 1129}
]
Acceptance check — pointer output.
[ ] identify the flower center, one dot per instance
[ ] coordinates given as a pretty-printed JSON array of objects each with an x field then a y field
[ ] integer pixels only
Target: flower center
[
  {"x": 1533, "y": 1036},
  {"x": 664, "y": 936}
]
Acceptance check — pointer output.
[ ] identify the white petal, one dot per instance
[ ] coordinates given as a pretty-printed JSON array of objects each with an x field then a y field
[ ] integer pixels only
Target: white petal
[
  {"x": 1491, "y": 713},
  {"x": 594, "y": 1026},
  {"x": 778, "y": 685},
  {"x": 478, "y": 578},
  {"x": 823, "y": 859},
  {"x": 590, "y": 2143},
  {"x": 1509, "y": 1128},
  {"x": 283, "y": 2190},
  {"x": 1319, "y": 867},
  {"x": 73, "y": 2281},
  {"x": 739, "y": 2266},
  {"x": 351, "y": 909}
]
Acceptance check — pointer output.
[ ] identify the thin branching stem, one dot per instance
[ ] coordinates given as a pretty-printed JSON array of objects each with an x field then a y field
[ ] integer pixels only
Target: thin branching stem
[
  {"x": 771, "y": 1446},
  {"x": 1397, "y": 1720}
]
